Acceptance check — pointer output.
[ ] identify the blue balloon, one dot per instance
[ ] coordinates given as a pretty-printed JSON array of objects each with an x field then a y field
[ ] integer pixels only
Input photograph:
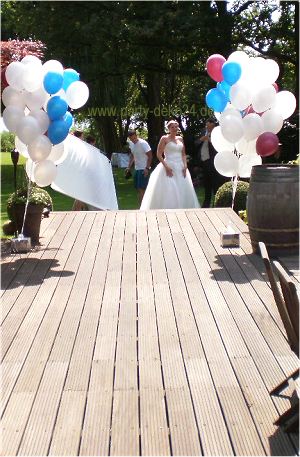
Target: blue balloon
[
  {"x": 58, "y": 130},
  {"x": 216, "y": 100},
  {"x": 56, "y": 107},
  {"x": 53, "y": 82},
  {"x": 68, "y": 119},
  {"x": 69, "y": 77},
  {"x": 231, "y": 72},
  {"x": 223, "y": 86}
]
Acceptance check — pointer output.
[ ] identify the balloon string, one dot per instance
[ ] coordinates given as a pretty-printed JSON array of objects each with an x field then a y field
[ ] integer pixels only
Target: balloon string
[
  {"x": 28, "y": 193},
  {"x": 234, "y": 182}
]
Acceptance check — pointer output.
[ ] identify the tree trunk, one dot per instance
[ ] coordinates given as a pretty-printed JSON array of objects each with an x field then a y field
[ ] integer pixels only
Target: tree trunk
[
  {"x": 108, "y": 132},
  {"x": 155, "y": 122}
]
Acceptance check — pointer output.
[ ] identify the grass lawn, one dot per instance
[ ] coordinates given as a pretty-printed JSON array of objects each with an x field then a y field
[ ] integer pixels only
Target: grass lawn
[{"x": 127, "y": 196}]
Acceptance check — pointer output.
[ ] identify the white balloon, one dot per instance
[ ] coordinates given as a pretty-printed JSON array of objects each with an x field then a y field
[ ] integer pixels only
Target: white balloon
[
  {"x": 218, "y": 141},
  {"x": 29, "y": 167},
  {"x": 230, "y": 111},
  {"x": 232, "y": 128},
  {"x": 53, "y": 65},
  {"x": 14, "y": 97},
  {"x": 284, "y": 103},
  {"x": 21, "y": 147},
  {"x": 28, "y": 129},
  {"x": 32, "y": 77},
  {"x": 238, "y": 56},
  {"x": 58, "y": 153},
  {"x": 77, "y": 94},
  {"x": 40, "y": 148},
  {"x": 31, "y": 59},
  {"x": 272, "y": 121},
  {"x": 35, "y": 100},
  {"x": 14, "y": 75},
  {"x": 246, "y": 147},
  {"x": 264, "y": 98},
  {"x": 61, "y": 93},
  {"x": 271, "y": 71},
  {"x": 12, "y": 116},
  {"x": 246, "y": 162},
  {"x": 240, "y": 96},
  {"x": 42, "y": 118},
  {"x": 253, "y": 126},
  {"x": 226, "y": 163},
  {"x": 44, "y": 173}
]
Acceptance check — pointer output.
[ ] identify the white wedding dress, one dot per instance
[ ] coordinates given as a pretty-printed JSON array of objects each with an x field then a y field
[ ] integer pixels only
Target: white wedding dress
[{"x": 165, "y": 192}]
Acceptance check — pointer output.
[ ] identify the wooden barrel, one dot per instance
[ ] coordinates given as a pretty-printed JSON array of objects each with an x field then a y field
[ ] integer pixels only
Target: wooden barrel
[{"x": 273, "y": 208}]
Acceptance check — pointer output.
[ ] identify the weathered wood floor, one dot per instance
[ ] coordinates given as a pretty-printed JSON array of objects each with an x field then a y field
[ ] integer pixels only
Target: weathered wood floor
[{"x": 133, "y": 333}]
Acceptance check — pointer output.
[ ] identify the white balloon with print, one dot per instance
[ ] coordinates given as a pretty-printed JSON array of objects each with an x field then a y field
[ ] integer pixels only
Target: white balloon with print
[
  {"x": 226, "y": 163},
  {"x": 219, "y": 142},
  {"x": 44, "y": 173},
  {"x": 264, "y": 98},
  {"x": 240, "y": 96},
  {"x": 13, "y": 97},
  {"x": 232, "y": 128},
  {"x": 32, "y": 77},
  {"x": 77, "y": 94},
  {"x": 253, "y": 126},
  {"x": 272, "y": 121},
  {"x": 14, "y": 75},
  {"x": 284, "y": 103},
  {"x": 40, "y": 148},
  {"x": 35, "y": 100},
  {"x": 246, "y": 162},
  {"x": 53, "y": 66},
  {"x": 28, "y": 129},
  {"x": 12, "y": 116},
  {"x": 29, "y": 168},
  {"x": 42, "y": 118},
  {"x": 246, "y": 147},
  {"x": 21, "y": 147},
  {"x": 58, "y": 153}
]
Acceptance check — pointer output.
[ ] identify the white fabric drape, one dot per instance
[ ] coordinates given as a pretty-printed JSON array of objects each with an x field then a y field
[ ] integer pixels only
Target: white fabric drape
[{"x": 86, "y": 175}]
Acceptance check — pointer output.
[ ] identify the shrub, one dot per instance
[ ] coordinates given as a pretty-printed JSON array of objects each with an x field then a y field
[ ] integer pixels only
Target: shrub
[
  {"x": 223, "y": 197},
  {"x": 7, "y": 141},
  {"x": 37, "y": 196}
]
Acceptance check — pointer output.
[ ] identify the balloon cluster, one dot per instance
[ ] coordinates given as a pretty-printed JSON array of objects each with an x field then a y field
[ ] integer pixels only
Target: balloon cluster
[
  {"x": 249, "y": 108},
  {"x": 37, "y": 99}
]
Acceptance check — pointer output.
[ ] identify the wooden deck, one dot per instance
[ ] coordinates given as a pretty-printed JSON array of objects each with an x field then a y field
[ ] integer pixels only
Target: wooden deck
[{"x": 133, "y": 333}]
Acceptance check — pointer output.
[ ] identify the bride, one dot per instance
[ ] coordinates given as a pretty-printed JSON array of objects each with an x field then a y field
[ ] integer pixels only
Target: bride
[{"x": 170, "y": 185}]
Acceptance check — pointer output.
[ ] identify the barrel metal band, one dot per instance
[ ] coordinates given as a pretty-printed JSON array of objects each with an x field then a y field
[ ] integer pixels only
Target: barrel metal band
[
  {"x": 273, "y": 230},
  {"x": 277, "y": 245}
]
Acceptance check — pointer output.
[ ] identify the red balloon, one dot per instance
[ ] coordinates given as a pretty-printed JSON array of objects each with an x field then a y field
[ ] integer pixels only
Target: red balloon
[
  {"x": 275, "y": 85},
  {"x": 214, "y": 67},
  {"x": 266, "y": 144}
]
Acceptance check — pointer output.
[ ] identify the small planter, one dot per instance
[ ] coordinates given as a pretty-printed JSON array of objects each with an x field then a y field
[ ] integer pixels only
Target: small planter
[{"x": 32, "y": 221}]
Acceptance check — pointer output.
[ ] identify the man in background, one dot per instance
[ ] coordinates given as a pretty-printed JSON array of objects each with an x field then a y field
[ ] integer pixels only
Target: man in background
[
  {"x": 212, "y": 180},
  {"x": 141, "y": 157}
]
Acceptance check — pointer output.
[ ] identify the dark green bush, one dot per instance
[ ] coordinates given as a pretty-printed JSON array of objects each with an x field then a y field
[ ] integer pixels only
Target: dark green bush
[{"x": 223, "y": 197}]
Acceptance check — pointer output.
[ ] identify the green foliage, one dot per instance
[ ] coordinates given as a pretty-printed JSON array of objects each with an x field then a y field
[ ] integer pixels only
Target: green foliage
[
  {"x": 223, "y": 197},
  {"x": 37, "y": 196},
  {"x": 7, "y": 141},
  {"x": 243, "y": 216}
]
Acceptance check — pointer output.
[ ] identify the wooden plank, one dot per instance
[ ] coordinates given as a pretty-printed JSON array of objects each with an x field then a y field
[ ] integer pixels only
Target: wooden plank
[
  {"x": 125, "y": 416},
  {"x": 40, "y": 348},
  {"x": 266, "y": 317},
  {"x": 64, "y": 442},
  {"x": 31, "y": 279},
  {"x": 153, "y": 414},
  {"x": 99, "y": 401},
  {"x": 47, "y": 229},
  {"x": 229, "y": 389},
  {"x": 184, "y": 433},
  {"x": 61, "y": 351}
]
